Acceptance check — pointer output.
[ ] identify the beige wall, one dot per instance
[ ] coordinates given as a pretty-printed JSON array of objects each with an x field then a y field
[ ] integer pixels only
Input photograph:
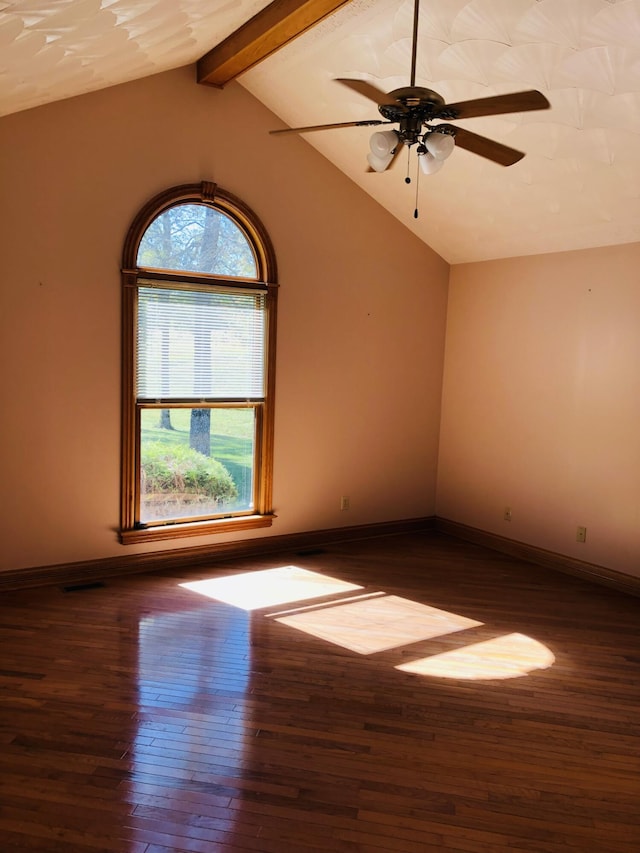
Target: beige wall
[
  {"x": 541, "y": 402},
  {"x": 361, "y": 325}
]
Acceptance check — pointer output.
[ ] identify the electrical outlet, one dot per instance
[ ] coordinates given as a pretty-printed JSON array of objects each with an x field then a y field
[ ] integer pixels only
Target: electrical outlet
[
  {"x": 581, "y": 534},
  {"x": 507, "y": 513},
  {"x": 344, "y": 502}
]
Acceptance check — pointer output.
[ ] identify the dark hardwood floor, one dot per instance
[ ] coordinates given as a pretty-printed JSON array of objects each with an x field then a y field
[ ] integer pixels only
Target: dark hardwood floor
[{"x": 434, "y": 696}]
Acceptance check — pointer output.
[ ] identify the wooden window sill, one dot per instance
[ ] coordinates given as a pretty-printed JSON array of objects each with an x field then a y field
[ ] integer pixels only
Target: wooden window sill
[{"x": 194, "y": 528}]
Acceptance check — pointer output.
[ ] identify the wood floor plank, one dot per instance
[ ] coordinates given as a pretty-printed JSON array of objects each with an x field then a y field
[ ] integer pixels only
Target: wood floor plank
[{"x": 459, "y": 701}]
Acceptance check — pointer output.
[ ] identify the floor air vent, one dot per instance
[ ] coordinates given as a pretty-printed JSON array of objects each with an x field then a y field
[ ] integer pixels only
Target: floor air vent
[{"x": 77, "y": 587}]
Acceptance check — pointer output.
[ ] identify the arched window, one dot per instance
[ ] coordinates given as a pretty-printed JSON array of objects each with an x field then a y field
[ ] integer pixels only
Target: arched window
[{"x": 199, "y": 311}]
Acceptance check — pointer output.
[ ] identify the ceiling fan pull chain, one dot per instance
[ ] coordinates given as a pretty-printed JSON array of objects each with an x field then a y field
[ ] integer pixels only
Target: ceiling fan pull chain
[
  {"x": 415, "y": 212},
  {"x": 407, "y": 180}
]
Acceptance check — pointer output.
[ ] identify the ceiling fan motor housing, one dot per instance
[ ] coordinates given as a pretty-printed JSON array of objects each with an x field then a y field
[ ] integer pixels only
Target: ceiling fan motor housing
[
  {"x": 411, "y": 107},
  {"x": 412, "y": 98}
]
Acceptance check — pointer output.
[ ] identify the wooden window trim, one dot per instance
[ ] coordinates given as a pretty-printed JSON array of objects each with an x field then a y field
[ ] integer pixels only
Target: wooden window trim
[
  {"x": 208, "y": 193},
  {"x": 196, "y": 528}
]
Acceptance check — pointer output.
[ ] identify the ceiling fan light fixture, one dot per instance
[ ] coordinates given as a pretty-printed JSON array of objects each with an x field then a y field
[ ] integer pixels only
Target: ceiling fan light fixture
[
  {"x": 379, "y": 164},
  {"x": 383, "y": 143},
  {"x": 440, "y": 145},
  {"x": 429, "y": 164}
]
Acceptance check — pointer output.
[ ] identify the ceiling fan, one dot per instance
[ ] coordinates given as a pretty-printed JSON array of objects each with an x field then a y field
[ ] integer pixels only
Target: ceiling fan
[{"x": 413, "y": 108}]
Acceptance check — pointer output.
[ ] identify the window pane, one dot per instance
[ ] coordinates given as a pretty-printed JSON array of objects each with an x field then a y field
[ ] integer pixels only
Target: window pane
[
  {"x": 196, "y": 463},
  {"x": 197, "y": 238},
  {"x": 200, "y": 345}
]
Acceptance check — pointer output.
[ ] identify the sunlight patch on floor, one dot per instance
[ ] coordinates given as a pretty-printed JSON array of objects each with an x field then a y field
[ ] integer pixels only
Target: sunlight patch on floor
[
  {"x": 378, "y": 624},
  {"x": 372, "y": 622},
  {"x": 364, "y": 596},
  {"x": 270, "y": 587},
  {"x": 510, "y": 656}
]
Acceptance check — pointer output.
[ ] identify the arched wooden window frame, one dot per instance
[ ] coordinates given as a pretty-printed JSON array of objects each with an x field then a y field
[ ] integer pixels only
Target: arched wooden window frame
[{"x": 208, "y": 193}]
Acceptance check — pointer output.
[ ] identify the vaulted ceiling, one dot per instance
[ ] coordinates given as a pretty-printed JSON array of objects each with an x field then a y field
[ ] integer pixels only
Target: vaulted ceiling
[{"x": 578, "y": 186}]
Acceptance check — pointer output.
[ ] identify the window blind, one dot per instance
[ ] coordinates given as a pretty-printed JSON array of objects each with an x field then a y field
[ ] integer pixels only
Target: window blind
[{"x": 200, "y": 345}]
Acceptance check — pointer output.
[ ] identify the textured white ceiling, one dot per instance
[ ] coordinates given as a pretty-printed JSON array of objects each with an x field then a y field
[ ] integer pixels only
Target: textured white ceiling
[
  {"x": 578, "y": 186},
  {"x": 54, "y": 49}
]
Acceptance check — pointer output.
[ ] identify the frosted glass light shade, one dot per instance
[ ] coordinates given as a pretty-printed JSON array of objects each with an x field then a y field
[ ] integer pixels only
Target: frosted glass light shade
[
  {"x": 429, "y": 164},
  {"x": 383, "y": 142},
  {"x": 440, "y": 145},
  {"x": 379, "y": 164}
]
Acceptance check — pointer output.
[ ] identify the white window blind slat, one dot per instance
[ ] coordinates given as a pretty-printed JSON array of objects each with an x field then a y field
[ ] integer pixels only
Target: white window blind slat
[{"x": 200, "y": 345}]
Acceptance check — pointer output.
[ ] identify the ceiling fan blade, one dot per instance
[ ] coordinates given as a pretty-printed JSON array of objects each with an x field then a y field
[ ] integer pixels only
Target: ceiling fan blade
[
  {"x": 488, "y": 148},
  {"x": 371, "y": 123},
  {"x": 374, "y": 94},
  {"x": 516, "y": 102}
]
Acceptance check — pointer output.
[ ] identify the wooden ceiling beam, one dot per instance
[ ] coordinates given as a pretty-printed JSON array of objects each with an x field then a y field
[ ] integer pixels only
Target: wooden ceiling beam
[{"x": 276, "y": 25}]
